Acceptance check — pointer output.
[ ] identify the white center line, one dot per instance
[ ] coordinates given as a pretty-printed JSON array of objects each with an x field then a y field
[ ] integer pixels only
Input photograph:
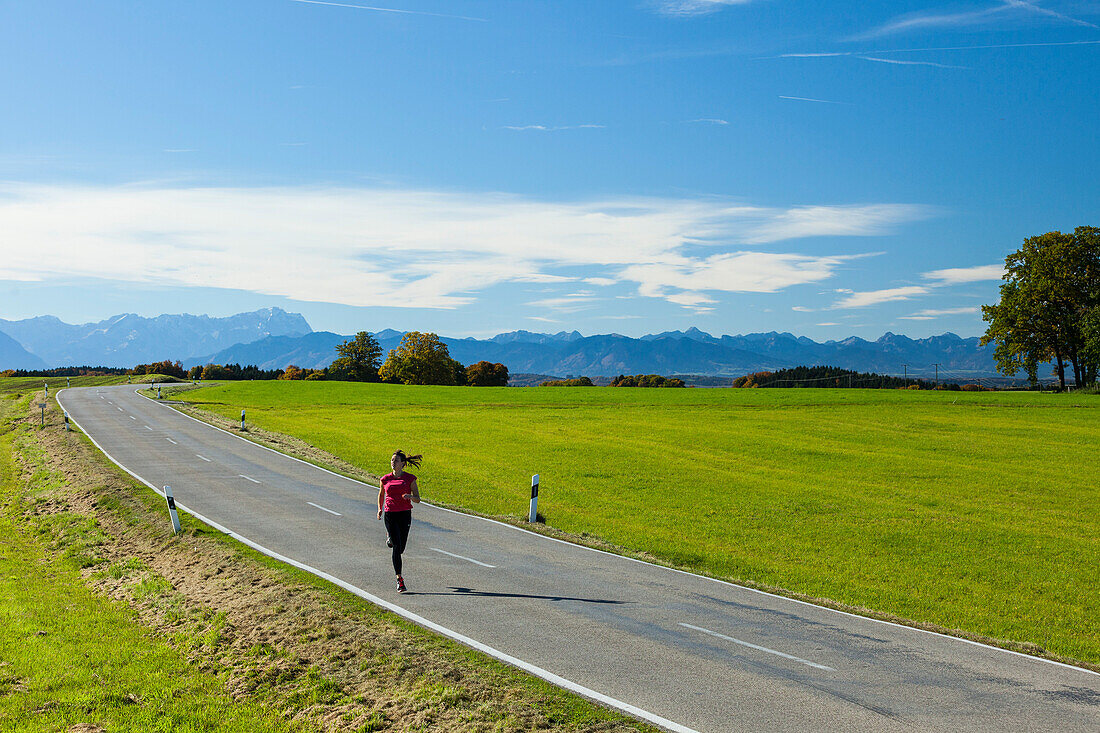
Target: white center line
[
  {"x": 171, "y": 441},
  {"x": 759, "y": 648},
  {"x": 460, "y": 557},
  {"x": 249, "y": 478},
  {"x": 338, "y": 514},
  {"x": 204, "y": 458},
  {"x": 148, "y": 428},
  {"x": 132, "y": 417},
  {"x": 120, "y": 409}
]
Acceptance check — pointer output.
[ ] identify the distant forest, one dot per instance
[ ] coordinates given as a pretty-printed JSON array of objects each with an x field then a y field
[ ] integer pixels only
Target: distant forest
[{"x": 826, "y": 376}]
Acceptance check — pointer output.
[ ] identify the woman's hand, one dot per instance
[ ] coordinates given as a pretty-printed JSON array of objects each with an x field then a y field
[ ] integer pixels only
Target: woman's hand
[
  {"x": 407, "y": 497},
  {"x": 379, "y": 513}
]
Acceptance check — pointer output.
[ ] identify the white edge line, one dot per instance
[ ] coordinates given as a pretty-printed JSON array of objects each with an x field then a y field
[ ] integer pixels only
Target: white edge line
[
  {"x": 338, "y": 514},
  {"x": 171, "y": 441},
  {"x": 643, "y": 562},
  {"x": 759, "y": 648},
  {"x": 461, "y": 557},
  {"x": 203, "y": 458},
  {"x": 506, "y": 658}
]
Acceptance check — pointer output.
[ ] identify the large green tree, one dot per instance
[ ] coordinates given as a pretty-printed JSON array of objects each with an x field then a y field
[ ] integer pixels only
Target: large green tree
[
  {"x": 1049, "y": 307},
  {"x": 358, "y": 359},
  {"x": 421, "y": 358}
]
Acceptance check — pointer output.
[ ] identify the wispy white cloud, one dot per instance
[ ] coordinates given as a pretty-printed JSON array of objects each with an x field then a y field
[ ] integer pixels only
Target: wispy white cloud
[
  {"x": 810, "y": 99},
  {"x": 958, "y": 275},
  {"x": 415, "y": 248},
  {"x": 827, "y": 324},
  {"x": 1006, "y": 9},
  {"x": 709, "y": 121},
  {"x": 931, "y": 314},
  {"x": 686, "y": 282},
  {"x": 802, "y": 309},
  {"x": 567, "y": 303},
  {"x": 1035, "y": 8},
  {"x": 693, "y": 7},
  {"x": 390, "y": 10},
  {"x": 874, "y": 297},
  {"x": 816, "y": 221}
]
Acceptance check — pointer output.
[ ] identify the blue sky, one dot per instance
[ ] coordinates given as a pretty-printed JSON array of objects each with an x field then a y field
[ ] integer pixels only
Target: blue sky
[{"x": 478, "y": 166}]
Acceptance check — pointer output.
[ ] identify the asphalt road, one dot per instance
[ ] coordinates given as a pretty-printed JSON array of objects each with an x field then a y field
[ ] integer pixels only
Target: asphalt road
[{"x": 683, "y": 652}]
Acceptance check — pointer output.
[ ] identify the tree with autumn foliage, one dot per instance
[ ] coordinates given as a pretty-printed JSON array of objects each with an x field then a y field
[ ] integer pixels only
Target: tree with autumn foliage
[{"x": 487, "y": 374}]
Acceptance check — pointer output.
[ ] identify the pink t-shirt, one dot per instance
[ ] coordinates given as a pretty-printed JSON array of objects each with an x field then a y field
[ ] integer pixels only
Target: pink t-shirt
[{"x": 395, "y": 489}]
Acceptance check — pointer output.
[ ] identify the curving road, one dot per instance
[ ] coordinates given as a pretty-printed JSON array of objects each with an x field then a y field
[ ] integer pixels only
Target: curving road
[{"x": 683, "y": 652}]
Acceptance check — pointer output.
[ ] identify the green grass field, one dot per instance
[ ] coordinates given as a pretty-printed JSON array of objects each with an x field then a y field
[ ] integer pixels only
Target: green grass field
[{"x": 970, "y": 511}]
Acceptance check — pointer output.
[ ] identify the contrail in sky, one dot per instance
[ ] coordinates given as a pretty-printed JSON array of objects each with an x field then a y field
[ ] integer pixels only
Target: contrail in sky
[
  {"x": 827, "y": 54},
  {"x": 808, "y": 99},
  {"x": 391, "y": 10}
]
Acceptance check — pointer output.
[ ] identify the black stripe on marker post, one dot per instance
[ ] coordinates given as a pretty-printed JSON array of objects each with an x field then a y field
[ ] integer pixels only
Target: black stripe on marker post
[
  {"x": 534, "y": 499},
  {"x": 172, "y": 510}
]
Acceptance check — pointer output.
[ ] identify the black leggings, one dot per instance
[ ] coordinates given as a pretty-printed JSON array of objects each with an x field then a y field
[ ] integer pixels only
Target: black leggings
[{"x": 397, "y": 524}]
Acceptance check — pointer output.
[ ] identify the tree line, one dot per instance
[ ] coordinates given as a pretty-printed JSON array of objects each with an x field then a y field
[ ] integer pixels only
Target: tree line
[
  {"x": 827, "y": 376},
  {"x": 420, "y": 358}
]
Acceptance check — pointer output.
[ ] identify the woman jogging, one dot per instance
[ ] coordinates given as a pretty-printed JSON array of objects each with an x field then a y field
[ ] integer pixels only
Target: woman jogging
[{"x": 396, "y": 495}]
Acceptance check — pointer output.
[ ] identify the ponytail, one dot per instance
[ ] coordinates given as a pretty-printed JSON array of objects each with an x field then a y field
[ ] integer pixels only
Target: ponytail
[{"x": 413, "y": 460}]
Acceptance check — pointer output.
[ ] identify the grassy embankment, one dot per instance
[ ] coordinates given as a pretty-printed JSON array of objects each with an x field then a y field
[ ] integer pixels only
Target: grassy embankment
[
  {"x": 68, "y": 656},
  {"x": 107, "y": 620},
  {"x": 969, "y": 511}
]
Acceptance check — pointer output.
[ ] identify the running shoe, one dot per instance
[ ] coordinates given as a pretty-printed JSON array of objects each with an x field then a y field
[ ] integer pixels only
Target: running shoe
[
  {"x": 389, "y": 542},
  {"x": 401, "y": 585}
]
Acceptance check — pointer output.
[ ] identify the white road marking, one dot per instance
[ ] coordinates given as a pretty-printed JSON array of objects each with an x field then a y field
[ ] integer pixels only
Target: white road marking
[
  {"x": 460, "y": 557},
  {"x": 815, "y": 665},
  {"x": 171, "y": 441},
  {"x": 120, "y": 409},
  {"x": 132, "y": 417},
  {"x": 338, "y": 514},
  {"x": 148, "y": 428},
  {"x": 249, "y": 478},
  {"x": 204, "y": 458}
]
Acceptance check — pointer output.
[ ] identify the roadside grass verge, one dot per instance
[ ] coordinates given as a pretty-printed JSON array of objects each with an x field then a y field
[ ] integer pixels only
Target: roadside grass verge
[
  {"x": 249, "y": 633},
  {"x": 973, "y": 513},
  {"x": 68, "y": 656}
]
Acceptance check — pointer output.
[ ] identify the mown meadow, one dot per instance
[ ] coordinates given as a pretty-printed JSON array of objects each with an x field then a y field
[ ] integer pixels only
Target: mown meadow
[{"x": 969, "y": 511}]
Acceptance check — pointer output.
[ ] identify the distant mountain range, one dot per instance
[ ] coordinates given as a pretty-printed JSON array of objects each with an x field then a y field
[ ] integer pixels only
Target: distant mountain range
[
  {"x": 125, "y": 340},
  {"x": 272, "y": 338}
]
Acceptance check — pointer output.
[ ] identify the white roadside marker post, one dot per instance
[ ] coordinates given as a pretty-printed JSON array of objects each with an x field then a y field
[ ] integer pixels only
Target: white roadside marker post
[
  {"x": 46, "y": 386},
  {"x": 172, "y": 510},
  {"x": 534, "y": 498},
  {"x": 242, "y": 419},
  {"x": 158, "y": 391},
  {"x": 68, "y": 382},
  {"x": 67, "y": 428}
]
